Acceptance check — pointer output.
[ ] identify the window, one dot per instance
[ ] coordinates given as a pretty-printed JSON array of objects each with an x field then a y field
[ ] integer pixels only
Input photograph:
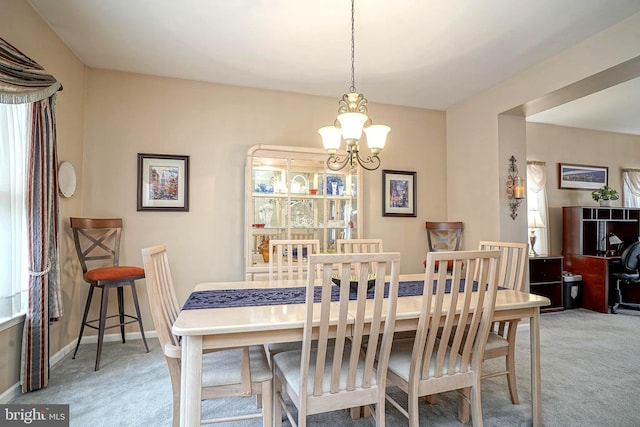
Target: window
[
  {"x": 537, "y": 205},
  {"x": 631, "y": 188},
  {"x": 13, "y": 227}
]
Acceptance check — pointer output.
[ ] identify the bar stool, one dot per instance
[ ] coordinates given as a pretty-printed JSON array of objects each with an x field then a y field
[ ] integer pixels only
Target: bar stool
[{"x": 99, "y": 240}]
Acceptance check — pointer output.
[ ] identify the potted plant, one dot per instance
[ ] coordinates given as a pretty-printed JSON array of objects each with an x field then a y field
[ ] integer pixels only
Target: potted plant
[{"x": 604, "y": 195}]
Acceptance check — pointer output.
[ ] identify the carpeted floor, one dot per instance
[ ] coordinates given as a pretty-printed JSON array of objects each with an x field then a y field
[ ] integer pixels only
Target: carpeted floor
[{"x": 590, "y": 377}]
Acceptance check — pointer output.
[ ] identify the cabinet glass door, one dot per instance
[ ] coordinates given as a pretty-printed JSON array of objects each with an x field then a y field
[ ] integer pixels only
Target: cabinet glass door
[{"x": 292, "y": 195}]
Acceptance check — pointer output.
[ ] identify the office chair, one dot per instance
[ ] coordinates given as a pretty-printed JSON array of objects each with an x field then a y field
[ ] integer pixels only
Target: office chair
[{"x": 629, "y": 274}]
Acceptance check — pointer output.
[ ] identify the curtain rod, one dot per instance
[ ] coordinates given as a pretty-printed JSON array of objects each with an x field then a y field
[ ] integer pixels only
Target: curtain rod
[{"x": 535, "y": 162}]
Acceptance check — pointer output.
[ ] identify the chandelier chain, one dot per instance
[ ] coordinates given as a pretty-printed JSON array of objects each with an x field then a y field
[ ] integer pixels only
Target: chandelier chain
[{"x": 352, "y": 89}]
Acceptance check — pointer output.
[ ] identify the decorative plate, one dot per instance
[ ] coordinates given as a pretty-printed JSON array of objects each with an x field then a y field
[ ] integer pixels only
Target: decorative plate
[{"x": 67, "y": 179}]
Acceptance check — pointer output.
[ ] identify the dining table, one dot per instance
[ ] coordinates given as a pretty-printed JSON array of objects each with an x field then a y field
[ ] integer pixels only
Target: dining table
[{"x": 219, "y": 315}]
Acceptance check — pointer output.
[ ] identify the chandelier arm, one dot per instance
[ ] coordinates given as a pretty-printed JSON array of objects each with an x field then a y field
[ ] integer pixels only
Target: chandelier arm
[
  {"x": 373, "y": 160},
  {"x": 335, "y": 163}
]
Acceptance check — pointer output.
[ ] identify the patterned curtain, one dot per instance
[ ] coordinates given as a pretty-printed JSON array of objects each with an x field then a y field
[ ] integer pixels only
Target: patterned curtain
[{"x": 24, "y": 81}]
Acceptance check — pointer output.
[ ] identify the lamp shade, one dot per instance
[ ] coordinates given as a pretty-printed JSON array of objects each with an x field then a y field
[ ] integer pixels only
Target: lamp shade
[
  {"x": 614, "y": 239},
  {"x": 330, "y": 138},
  {"x": 376, "y": 137},
  {"x": 352, "y": 124},
  {"x": 535, "y": 220}
]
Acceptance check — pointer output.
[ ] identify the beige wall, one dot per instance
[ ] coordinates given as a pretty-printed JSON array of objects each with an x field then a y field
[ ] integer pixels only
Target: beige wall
[
  {"x": 477, "y": 153},
  {"x": 216, "y": 124},
  {"x": 558, "y": 144},
  {"x": 22, "y": 27}
]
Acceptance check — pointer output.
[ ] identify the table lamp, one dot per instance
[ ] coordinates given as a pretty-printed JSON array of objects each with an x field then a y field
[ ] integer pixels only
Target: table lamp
[
  {"x": 535, "y": 221},
  {"x": 615, "y": 240}
]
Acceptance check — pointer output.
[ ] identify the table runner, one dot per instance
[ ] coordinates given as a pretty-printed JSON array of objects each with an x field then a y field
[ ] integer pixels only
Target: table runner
[{"x": 227, "y": 298}]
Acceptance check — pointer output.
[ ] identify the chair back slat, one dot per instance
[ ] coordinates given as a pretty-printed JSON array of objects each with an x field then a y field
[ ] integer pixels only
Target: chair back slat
[
  {"x": 455, "y": 318},
  {"x": 346, "y": 321},
  {"x": 97, "y": 239},
  {"x": 353, "y": 246},
  {"x": 363, "y": 246},
  {"x": 287, "y": 258},
  {"x": 513, "y": 261},
  {"x": 162, "y": 298}
]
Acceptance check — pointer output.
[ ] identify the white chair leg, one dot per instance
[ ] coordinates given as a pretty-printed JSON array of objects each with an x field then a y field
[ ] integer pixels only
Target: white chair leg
[
  {"x": 266, "y": 402},
  {"x": 511, "y": 375},
  {"x": 412, "y": 406},
  {"x": 276, "y": 404},
  {"x": 476, "y": 406}
]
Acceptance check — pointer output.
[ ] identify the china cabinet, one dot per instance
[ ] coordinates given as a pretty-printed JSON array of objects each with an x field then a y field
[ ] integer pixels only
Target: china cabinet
[{"x": 291, "y": 194}]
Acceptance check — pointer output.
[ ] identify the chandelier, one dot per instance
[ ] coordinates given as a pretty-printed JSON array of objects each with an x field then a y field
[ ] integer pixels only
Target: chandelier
[{"x": 351, "y": 121}]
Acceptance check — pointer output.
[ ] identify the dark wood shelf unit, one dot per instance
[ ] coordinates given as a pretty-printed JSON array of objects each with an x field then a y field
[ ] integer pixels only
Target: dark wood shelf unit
[
  {"x": 545, "y": 278},
  {"x": 587, "y": 251}
]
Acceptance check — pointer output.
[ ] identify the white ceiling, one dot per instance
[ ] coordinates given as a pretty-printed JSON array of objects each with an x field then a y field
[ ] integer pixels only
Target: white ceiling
[{"x": 429, "y": 54}]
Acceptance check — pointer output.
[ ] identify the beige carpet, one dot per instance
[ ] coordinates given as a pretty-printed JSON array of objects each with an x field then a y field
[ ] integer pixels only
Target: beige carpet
[{"x": 590, "y": 377}]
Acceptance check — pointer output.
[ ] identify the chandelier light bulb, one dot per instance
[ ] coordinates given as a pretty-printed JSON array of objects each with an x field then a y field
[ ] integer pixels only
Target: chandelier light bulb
[
  {"x": 331, "y": 137},
  {"x": 352, "y": 124},
  {"x": 376, "y": 137}
]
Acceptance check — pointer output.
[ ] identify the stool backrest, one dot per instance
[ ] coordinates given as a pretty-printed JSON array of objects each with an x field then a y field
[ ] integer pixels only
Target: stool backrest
[
  {"x": 97, "y": 241},
  {"x": 443, "y": 236}
]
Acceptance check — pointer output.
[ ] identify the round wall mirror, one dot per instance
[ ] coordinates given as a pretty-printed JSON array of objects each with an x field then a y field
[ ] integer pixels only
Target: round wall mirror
[{"x": 66, "y": 179}]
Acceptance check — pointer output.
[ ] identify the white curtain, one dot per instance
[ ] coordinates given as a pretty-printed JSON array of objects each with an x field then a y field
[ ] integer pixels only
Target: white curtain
[
  {"x": 631, "y": 188},
  {"x": 13, "y": 228},
  {"x": 537, "y": 201}
]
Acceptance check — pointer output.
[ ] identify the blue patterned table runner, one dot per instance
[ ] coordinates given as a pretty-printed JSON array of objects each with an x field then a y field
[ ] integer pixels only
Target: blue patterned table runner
[{"x": 227, "y": 298}]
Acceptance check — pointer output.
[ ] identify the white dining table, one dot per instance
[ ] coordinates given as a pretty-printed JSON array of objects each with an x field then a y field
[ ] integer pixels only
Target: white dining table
[{"x": 227, "y": 327}]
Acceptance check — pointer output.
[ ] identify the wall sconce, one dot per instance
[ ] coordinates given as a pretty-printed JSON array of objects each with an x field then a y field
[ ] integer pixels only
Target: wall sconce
[{"x": 515, "y": 188}]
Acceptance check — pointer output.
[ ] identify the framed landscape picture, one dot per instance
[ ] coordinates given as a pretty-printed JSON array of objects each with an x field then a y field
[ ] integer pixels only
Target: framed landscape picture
[
  {"x": 163, "y": 182},
  {"x": 399, "y": 193},
  {"x": 582, "y": 177}
]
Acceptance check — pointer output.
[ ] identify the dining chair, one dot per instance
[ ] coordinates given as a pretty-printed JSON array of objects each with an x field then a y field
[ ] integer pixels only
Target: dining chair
[
  {"x": 454, "y": 322},
  {"x": 282, "y": 266},
  {"x": 97, "y": 242},
  {"x": 334, "y": 370},
  {"x": 242, "y": 371},
  {"x": 287, "y": 258},
  {"x": 347, "y": 246},
  {"x": 443, "y": 236},
  {"x": 353, "y": 246},
  {"x": 501, "y": 341}
]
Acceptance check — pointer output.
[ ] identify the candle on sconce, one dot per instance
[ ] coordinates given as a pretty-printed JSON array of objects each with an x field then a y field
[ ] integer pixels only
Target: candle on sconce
[{"x": 518, "y": 187}]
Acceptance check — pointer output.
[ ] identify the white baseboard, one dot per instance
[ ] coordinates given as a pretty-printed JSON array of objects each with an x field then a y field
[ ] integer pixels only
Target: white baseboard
[
  {"x": 11, "y": 393},
  {"x": 15, "y": 390}
]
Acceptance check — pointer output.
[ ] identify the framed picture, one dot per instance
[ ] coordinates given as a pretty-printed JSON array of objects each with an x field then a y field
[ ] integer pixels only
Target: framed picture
[
  {"x": 582, "y": 177},
  {"x": 399, "y": 193},
  {"x": 163, "y": 182}
]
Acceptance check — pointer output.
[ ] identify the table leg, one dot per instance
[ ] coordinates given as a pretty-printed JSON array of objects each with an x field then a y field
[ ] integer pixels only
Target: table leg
[
  {"x": 191, "y": 381},
  {"x": 536, "y": 394}
]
